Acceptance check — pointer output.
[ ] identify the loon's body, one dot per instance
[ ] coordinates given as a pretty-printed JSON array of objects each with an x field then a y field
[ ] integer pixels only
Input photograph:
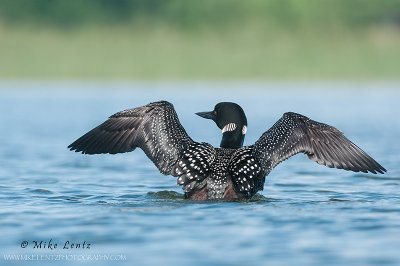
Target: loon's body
[{"x": 232, "y": 170}]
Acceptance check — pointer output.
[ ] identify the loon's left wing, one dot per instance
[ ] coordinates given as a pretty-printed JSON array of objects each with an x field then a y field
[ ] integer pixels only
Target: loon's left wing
[
  {"x": 324, "y": 144},
  {"x": 155, "y": 128}
]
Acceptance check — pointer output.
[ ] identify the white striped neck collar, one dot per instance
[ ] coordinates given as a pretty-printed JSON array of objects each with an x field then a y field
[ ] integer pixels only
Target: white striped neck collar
[{"x": 232, "y": 127}]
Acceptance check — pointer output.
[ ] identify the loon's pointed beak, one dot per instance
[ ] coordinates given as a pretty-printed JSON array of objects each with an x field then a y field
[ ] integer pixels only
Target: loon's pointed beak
[{"x": 207, "y": 115}]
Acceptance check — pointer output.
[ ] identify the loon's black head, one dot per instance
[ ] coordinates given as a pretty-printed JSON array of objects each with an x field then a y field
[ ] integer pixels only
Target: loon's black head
[{"x": 231, "y": 119}]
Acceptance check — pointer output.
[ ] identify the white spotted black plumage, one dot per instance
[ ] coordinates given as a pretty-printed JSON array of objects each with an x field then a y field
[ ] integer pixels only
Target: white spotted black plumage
[
  {"x": 246, "y": 172},
  {"x": 237, "y": 172},
  {"x": 217, "y": 184},
  {"x": 194, "y": 165}
]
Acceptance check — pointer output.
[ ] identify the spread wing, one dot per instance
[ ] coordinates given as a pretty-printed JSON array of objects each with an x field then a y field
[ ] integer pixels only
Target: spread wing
[
  {"x": 155, "y": 128},
  {"x": 324, "y": 144}
]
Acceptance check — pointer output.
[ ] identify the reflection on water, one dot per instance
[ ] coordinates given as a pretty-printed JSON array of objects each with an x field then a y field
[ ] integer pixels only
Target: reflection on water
[{"x": 307, "y": 214}]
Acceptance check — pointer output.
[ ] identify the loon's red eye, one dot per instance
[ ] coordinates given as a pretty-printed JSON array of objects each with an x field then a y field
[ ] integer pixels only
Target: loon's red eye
[{"x": 215, "y": 113}]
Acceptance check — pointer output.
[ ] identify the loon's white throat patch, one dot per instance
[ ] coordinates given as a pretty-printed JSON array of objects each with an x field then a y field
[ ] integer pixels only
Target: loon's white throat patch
[
  {"x": 244, "y": 130},
  {"x": 232, "y": 127},
  {"x": 229, "y": 127}
]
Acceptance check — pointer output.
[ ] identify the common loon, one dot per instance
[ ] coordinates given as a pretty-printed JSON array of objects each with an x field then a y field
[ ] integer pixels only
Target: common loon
[{"x": 231, "y": 171}]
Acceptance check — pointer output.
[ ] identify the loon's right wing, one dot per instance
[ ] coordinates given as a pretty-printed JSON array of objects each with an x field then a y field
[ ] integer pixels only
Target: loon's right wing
[
  {"x": 155, "y": 128},
  {"x": 324, "y": 144}
]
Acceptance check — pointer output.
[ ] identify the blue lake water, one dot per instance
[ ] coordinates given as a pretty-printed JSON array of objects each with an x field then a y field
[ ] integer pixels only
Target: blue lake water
[{"x": 130, "y": 214}]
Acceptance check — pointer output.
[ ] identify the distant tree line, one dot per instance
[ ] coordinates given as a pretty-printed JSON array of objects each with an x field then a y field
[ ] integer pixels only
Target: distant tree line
[{"x": 201, "y": 13}]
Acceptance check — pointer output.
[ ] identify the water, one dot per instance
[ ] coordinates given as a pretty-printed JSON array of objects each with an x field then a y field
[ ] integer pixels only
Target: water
[{"x": 130, "y": 214}]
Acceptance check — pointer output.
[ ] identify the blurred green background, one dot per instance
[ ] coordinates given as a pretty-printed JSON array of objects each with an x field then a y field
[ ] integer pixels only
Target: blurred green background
[{"x": 193, "y": 39}]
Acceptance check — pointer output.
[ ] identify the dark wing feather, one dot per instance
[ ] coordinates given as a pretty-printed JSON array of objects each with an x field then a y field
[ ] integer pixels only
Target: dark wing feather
[
  {"x": 155, "y": 128},
  {"x": 324, "y": 144}
]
